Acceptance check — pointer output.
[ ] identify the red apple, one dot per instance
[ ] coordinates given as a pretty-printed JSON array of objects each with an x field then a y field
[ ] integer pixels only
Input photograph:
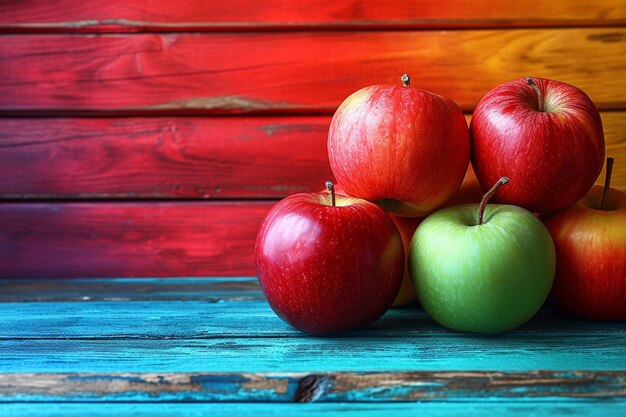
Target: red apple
[
  {"x": 329, "y": 266},
  {"x": 590, "y": 246},
  {"x": 404, "y": 148},
  {"x": 545, "y": 135},
  {"x": 406, "y": 226}
]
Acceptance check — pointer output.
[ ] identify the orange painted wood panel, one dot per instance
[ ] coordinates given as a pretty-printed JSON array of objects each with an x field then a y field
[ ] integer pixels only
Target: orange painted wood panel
[
  {"x": 299, "y": 72},
  {"x": 614, "y": 124},
  {"x": 128, "y": 239},
  {"x": 190, "y": 158},
  {"x": 216, "y": 157},
  {"x": 194, "y": 15}
]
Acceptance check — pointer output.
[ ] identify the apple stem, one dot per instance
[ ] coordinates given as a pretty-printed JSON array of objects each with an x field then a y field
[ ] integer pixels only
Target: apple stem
[
  {"x": 406, "y": 80},
  {"x": 535, "y": 87},
  {"x": 331, "y": 187},
  {"x": 607, "y": 182},
  {"x": 486, "y": 197}
]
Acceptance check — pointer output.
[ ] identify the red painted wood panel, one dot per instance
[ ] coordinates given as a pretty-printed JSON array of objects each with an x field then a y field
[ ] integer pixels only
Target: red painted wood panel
[
  {"x": 128, "y": 239},
  {"x": 192, "y": 157},
  {"x": 293, "y": 72},
  {"x": 219, "y": 157},
  {"x": 181, "y": 15}
]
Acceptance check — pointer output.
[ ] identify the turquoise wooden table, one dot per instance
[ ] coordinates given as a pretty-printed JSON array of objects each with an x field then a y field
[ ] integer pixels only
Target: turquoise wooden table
[{"x": 212, "y": 346}]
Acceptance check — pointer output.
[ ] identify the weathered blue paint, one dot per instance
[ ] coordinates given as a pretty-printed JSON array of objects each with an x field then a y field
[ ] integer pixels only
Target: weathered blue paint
[
  {"x": 155, "y": 340},
  {"x": 234, "y": 317},
  {"x": 170, "y": 319},
  {"x": 308, "y": 354},
  {"x": 589, "y": 409}
]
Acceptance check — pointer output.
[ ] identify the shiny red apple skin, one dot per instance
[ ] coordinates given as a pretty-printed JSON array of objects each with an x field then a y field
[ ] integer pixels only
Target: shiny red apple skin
[
  {"x": 551, "y": 157},
  {"x": 590, "y": 243},
  {"x": 405, "y": 148},
  {"x": 326, "y": 269},
  {"x": 406, "y": 226}
]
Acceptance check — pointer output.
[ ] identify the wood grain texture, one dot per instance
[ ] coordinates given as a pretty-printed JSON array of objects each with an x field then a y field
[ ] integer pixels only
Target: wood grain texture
[
  {"x": 128, "y": 239},
  {"x": 296, "y": 387},
  {"x": 457, "y": 352},
  {"x": 614, "y": 124},
  {"x": 305, "y": 72},
  {"x": 201, "y": 158},
  {"x": 144, "y": 15},
  {"x": 432, "y": 409},
  {"x": 95, "y": 320},
  {"x": 209, "y": 289},
  {"x": 236, "y": 331},
  {"x": 193, "y": 157},
  {"x": 142, "y": 350}
]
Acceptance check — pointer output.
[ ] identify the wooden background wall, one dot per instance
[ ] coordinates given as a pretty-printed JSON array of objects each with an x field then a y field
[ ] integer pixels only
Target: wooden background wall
[{"x": 147, "y": 138}]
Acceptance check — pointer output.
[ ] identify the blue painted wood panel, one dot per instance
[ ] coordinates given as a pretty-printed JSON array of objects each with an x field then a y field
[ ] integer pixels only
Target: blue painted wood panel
[
  {"x": 546, "y": 386},
  {"x": 590, "y": 409},
  {"x": 216, "y": 340},
  {"x": 266, "y": 354},
  {"x": 242, "y": 317}
]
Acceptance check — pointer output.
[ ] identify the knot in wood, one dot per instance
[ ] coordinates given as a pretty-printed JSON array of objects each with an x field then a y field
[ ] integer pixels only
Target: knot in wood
[{"x": 311, "y": 388}]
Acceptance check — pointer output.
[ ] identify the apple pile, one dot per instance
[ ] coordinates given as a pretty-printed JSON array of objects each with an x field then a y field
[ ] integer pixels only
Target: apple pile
[{"x": 395, "y": 227}]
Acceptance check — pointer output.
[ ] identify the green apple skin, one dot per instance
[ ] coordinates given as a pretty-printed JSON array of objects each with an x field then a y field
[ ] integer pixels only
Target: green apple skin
[{"x": 487, "y": 278}]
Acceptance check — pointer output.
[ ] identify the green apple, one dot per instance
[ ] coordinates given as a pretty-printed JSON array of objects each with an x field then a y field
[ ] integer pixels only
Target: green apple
[{"x": 482, "y": 268}]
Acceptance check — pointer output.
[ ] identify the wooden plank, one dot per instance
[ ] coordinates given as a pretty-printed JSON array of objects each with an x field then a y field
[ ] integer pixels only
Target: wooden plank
[
  {"x": 210, "y": 289},
  {"x": 203, "y": 158},
  {"x": 194, "y": 351},
  {"x": 143, "y": 15},
  {"x": 93, "y": 320},
  {"x": 234, "y": 334},
  {"x": 434, "y": 409},
  {"x": 614, "y": 124},
  {"x": 239, "y": 299},
  {"x": 304, "y": 72},
  {"x": 459, "y": 352},
  {"x": 339, "y": 387},
  {"x": 128, "y": 239}
]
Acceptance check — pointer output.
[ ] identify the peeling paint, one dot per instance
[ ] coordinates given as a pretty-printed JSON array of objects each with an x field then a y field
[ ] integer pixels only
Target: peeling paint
[
  {"x": 279, "y": 385},
  {"x": 299, "y": 387}
]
